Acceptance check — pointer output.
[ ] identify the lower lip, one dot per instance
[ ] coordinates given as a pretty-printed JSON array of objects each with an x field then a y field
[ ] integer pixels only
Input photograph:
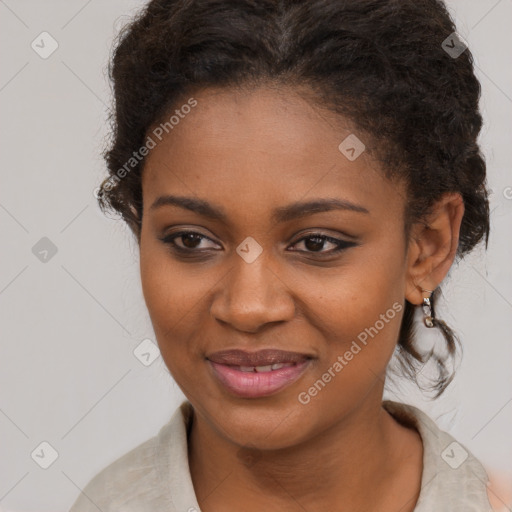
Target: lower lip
[{"x": 257, "y": 384}]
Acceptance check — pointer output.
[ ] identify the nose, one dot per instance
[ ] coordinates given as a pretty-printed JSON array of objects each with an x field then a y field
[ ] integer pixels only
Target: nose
[{"x": 251, "y": 296}]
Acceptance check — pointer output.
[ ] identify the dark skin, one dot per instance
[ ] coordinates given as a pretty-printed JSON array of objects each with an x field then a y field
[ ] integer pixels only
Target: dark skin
[{"x": 248, "y": 153}]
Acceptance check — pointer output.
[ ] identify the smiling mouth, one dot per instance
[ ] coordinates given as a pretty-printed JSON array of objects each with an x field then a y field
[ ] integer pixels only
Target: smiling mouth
[
  {"x": 260, "y": 359},
  {"x": 262, "y": 369},
  {"x": 257, "y": 374}
]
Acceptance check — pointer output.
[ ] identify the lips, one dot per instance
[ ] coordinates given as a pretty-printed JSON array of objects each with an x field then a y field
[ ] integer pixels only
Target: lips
[
  {"x": 262, "y": 358},
  {"x": 257, "y": 374}
]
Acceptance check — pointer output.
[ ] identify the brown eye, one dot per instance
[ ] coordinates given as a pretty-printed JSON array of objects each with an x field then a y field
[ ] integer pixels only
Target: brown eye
[
  {"x": 315, "y": 242},
  {"x": 190, "y": 241}
]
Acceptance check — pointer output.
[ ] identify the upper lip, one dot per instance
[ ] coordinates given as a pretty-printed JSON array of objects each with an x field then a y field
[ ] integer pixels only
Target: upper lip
[{"x": 264, "y": 357}]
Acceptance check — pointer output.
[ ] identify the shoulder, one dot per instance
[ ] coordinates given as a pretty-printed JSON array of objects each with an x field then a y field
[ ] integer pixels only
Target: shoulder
[
  {"x": 453, "y": 478},
  {"x": 126, "y": 476},
  {"x": 138, "y": 480}
]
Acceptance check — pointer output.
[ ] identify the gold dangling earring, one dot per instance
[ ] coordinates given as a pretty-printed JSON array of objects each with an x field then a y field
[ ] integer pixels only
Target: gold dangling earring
[{"x": 427, "y": 309}]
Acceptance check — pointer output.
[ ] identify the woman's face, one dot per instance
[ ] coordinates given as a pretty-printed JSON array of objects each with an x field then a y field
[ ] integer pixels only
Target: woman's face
[{"x": 258, "y": 278}]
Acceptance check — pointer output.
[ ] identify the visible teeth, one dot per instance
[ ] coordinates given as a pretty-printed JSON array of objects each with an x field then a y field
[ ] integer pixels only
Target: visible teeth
[{"x": 266, "y": 368}]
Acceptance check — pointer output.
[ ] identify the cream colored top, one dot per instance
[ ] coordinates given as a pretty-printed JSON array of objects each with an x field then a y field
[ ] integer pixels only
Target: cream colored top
[{"x": 154, "y": 476}]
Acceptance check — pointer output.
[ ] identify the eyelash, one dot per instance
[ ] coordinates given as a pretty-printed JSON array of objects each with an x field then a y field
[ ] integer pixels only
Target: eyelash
[{"x": 341, "y": 244}]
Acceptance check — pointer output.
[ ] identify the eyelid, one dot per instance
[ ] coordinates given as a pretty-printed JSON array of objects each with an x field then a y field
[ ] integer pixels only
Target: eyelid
[
  {"x": 328, "y": 233},
  {"x": 170, "y": 237},
  {"x": 340, "y": 243}
]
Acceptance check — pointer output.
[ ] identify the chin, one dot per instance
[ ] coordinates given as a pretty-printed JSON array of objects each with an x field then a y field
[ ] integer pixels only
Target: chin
[{"x": 263, "y": 424}]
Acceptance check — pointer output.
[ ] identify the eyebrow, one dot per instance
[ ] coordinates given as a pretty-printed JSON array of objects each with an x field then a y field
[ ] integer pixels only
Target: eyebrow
[{"x": 282, "y": 214}]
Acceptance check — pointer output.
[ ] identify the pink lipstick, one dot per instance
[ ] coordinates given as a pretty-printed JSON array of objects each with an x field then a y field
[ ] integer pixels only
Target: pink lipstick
[{"x": 257, "y": 374}]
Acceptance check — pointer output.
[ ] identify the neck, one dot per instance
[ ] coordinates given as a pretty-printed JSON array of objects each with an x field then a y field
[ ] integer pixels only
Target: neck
[{"x": 351, "y": 463}]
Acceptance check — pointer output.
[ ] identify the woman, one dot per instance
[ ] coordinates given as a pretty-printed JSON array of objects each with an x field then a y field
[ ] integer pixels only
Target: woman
[{"x": 300, "y": 177}]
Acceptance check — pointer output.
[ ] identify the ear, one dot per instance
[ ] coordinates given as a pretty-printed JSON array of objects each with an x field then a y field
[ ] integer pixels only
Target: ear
[{"x": 432, "y": 246}]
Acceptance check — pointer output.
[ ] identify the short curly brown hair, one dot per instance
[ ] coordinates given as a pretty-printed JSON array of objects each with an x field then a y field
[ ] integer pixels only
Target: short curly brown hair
[{"x": 383, "y": 64}]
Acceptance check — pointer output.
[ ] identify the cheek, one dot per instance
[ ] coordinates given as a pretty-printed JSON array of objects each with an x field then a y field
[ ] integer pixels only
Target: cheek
[
  {"x": 358, "y": 310},
  {"x": 169, "y": 301},
  {"x": 347, "y": 299},
  {"x": 359, "y": 335},
  {"x": 176, "y": 296},
  {"x": 170, "y": 288},
  {"x": 169, "y": 294}
]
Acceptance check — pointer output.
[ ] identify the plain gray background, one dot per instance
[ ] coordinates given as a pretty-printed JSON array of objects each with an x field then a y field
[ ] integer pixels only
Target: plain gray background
[{"x": 69, "y": 326}]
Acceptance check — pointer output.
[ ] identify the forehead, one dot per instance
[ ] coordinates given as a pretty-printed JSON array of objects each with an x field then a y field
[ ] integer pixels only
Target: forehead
[
  {"x": 274, "y": 120},
  {"x": 268, "y": 146}
]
